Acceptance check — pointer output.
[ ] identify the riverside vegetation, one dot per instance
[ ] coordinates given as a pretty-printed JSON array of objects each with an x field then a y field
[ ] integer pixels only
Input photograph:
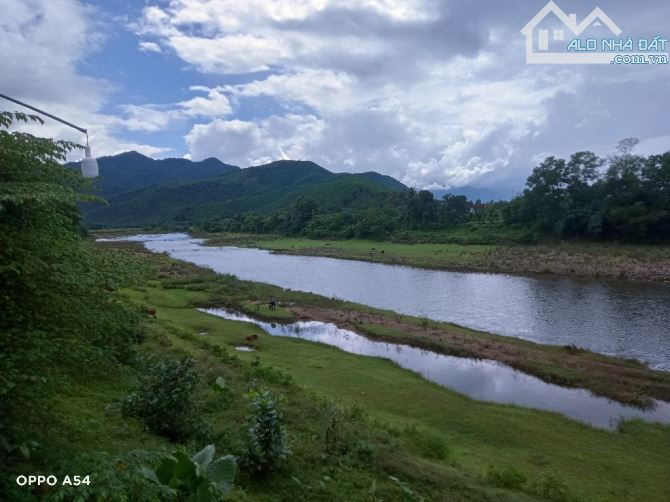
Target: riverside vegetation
[{"x": 89, "y": 380}]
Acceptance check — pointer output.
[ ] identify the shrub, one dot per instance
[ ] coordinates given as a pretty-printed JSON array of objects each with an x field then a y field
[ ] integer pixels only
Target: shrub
[
  {"x": 164, "y": 399},
  {"x": 111, "y": 477},
  {"x": 509, "y": 478},
  {"x": 198, "y": 478},
  {"x": 266, "y": 445}
]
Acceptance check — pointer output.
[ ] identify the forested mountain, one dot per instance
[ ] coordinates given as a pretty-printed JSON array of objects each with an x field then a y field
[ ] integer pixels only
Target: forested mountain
[
  {"x": 131, "y": 171},
  {"x": 261, "y": 189}
]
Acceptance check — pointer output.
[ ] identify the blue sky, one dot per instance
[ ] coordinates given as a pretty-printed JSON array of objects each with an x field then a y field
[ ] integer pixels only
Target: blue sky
[{"x": 435, "y": 93}]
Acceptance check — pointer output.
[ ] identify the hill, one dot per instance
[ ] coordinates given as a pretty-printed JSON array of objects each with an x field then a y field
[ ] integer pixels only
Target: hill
[
  {"x": 387, "y": 181},
  {"x": 131, "y": 171},
  {"x": 263, "y": 189}
]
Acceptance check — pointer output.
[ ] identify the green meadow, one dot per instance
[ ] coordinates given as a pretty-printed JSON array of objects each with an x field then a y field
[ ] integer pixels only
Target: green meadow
[{"x": 447, "y": 446}]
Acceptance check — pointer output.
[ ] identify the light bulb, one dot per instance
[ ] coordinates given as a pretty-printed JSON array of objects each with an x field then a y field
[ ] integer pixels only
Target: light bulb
[{"x": 89, "y": 166}]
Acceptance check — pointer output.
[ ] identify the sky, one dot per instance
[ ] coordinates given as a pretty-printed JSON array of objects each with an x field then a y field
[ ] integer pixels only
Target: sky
[{"x": 435, "y": 93}]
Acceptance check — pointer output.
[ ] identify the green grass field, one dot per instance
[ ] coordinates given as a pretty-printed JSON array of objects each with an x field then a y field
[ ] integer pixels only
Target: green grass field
[
  {"x": 399, "y": 437},
  {"x": 617, "y": 261},
  {"x": 596, "y": 464}
]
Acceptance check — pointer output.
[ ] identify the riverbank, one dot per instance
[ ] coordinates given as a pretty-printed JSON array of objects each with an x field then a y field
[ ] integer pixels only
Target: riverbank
[
  {"x": 627, "y": 381},
  {"x": 612, "y": 261},
  {"x": 459, "y": 442}
]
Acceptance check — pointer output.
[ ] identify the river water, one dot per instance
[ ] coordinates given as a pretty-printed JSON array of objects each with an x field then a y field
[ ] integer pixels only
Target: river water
[
  {"x": 611, "y": 317},
  {"x": 480, "y": 379}
]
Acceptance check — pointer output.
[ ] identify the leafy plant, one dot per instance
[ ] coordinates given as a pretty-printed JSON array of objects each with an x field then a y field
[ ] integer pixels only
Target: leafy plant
[
  {"x": 199, "y": 478},
  {"x": 58, "y": 318},
  {"x": 113, "y": 477},
  {"x": 164, "y": 399},
  {"x": 266, "y": 445}
]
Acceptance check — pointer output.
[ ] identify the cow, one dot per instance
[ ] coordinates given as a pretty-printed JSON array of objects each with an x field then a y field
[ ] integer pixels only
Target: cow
[
  {"x": 250, "y": 338},
  {"x": 151, "y": 312},
  {"x": 272, "y": 304}
]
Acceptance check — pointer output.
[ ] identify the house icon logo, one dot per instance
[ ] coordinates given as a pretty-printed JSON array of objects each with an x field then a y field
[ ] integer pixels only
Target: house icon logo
[{"x": 548, "y": 34}]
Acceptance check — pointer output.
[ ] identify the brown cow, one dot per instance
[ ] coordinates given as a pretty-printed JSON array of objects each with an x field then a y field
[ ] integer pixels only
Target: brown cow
[
  {"x": 251, "y": 338},
  {"x": 151, "y": 312}
]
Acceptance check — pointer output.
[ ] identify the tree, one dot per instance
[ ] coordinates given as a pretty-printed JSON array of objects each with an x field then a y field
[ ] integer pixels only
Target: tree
[
  {"x": 58, "y": 321},
  {"x": 454, "y": 210}
]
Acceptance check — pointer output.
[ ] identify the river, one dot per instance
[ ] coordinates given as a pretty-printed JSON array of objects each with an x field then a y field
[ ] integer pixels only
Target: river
[{"x": 619, "y": 318}]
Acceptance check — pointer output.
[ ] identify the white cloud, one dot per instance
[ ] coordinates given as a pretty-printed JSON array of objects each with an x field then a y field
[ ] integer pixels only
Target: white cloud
[
  {"x": 153, "y": 117},
  {"x": 237, "y": 53},
  {"x": 150, "y": 47},
  {"x": 367, "y": 74},
  {"x": 430, "y": 92},
  {"x": 436, "y": 131},
  {"x": 214, "y": 105},
  {"x": 246, "y": 143},
  {"x": 42, "y": 43},
  {"x": 316, "y": 88}
]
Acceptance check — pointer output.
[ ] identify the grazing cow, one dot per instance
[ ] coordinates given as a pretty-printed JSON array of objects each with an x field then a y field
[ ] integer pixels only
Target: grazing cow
[
  {"x": 251, "y": 338},
  {"x": 273, "y": 305},
  {"x": 151, "y": 312}
]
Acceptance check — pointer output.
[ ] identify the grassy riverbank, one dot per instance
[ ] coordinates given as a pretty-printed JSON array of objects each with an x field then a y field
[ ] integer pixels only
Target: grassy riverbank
[
  {"x": 627, "y": 381},
  {"x": 435, "y": 441},
  {"x": 616, "y": 261}
]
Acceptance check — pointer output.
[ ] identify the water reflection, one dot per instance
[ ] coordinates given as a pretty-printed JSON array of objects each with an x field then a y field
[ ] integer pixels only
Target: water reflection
[
  {"x": 480, "y": 379},
  {"x": 618, "y": 318}
]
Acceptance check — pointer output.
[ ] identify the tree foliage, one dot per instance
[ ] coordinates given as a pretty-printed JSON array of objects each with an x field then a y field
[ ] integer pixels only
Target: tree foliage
[
  {"x": 164, "y": 399},
  {"x": 396, "y": 212},
  {"x": 266, "y": 445},
  {"x": 624, "y": 197},
  {"x": 59, "y": 319}
]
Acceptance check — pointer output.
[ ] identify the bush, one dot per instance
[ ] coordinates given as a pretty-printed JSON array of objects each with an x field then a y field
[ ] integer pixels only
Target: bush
[
  {"x": 199, "y": 478},
  {"x": 266, "y": 445},
  {"x": 112, "y": 477},
  {"x": 164, "y": 399}
]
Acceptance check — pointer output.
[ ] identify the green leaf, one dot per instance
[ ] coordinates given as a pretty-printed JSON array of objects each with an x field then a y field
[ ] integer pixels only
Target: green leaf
[
  {"x": 203, "y": 458},
  {"x": 203, "y": 493},
  {"x": 150, "y": 474},
  {"x": 185, "y": 469},
  {"x": 165, "y": 471},
  {"x": 25, "y": 451},
  {"x": 220, "y": 383},
  {"x": 222, "y": 473}
]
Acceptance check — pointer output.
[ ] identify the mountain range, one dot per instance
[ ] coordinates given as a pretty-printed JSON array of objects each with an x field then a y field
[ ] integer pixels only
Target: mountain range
[{"x": 143, "y": 191}]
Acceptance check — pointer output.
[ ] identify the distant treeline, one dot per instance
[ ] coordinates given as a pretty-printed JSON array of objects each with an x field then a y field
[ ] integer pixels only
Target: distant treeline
[{"x": 624, "y": 197}]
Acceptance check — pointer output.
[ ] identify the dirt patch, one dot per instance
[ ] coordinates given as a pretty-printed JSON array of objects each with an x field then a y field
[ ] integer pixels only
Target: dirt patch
[{"x": 517, "y": 260}]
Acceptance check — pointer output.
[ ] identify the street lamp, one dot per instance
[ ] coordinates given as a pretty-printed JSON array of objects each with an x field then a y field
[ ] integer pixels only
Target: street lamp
[{"x": 89, "y": 166}]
